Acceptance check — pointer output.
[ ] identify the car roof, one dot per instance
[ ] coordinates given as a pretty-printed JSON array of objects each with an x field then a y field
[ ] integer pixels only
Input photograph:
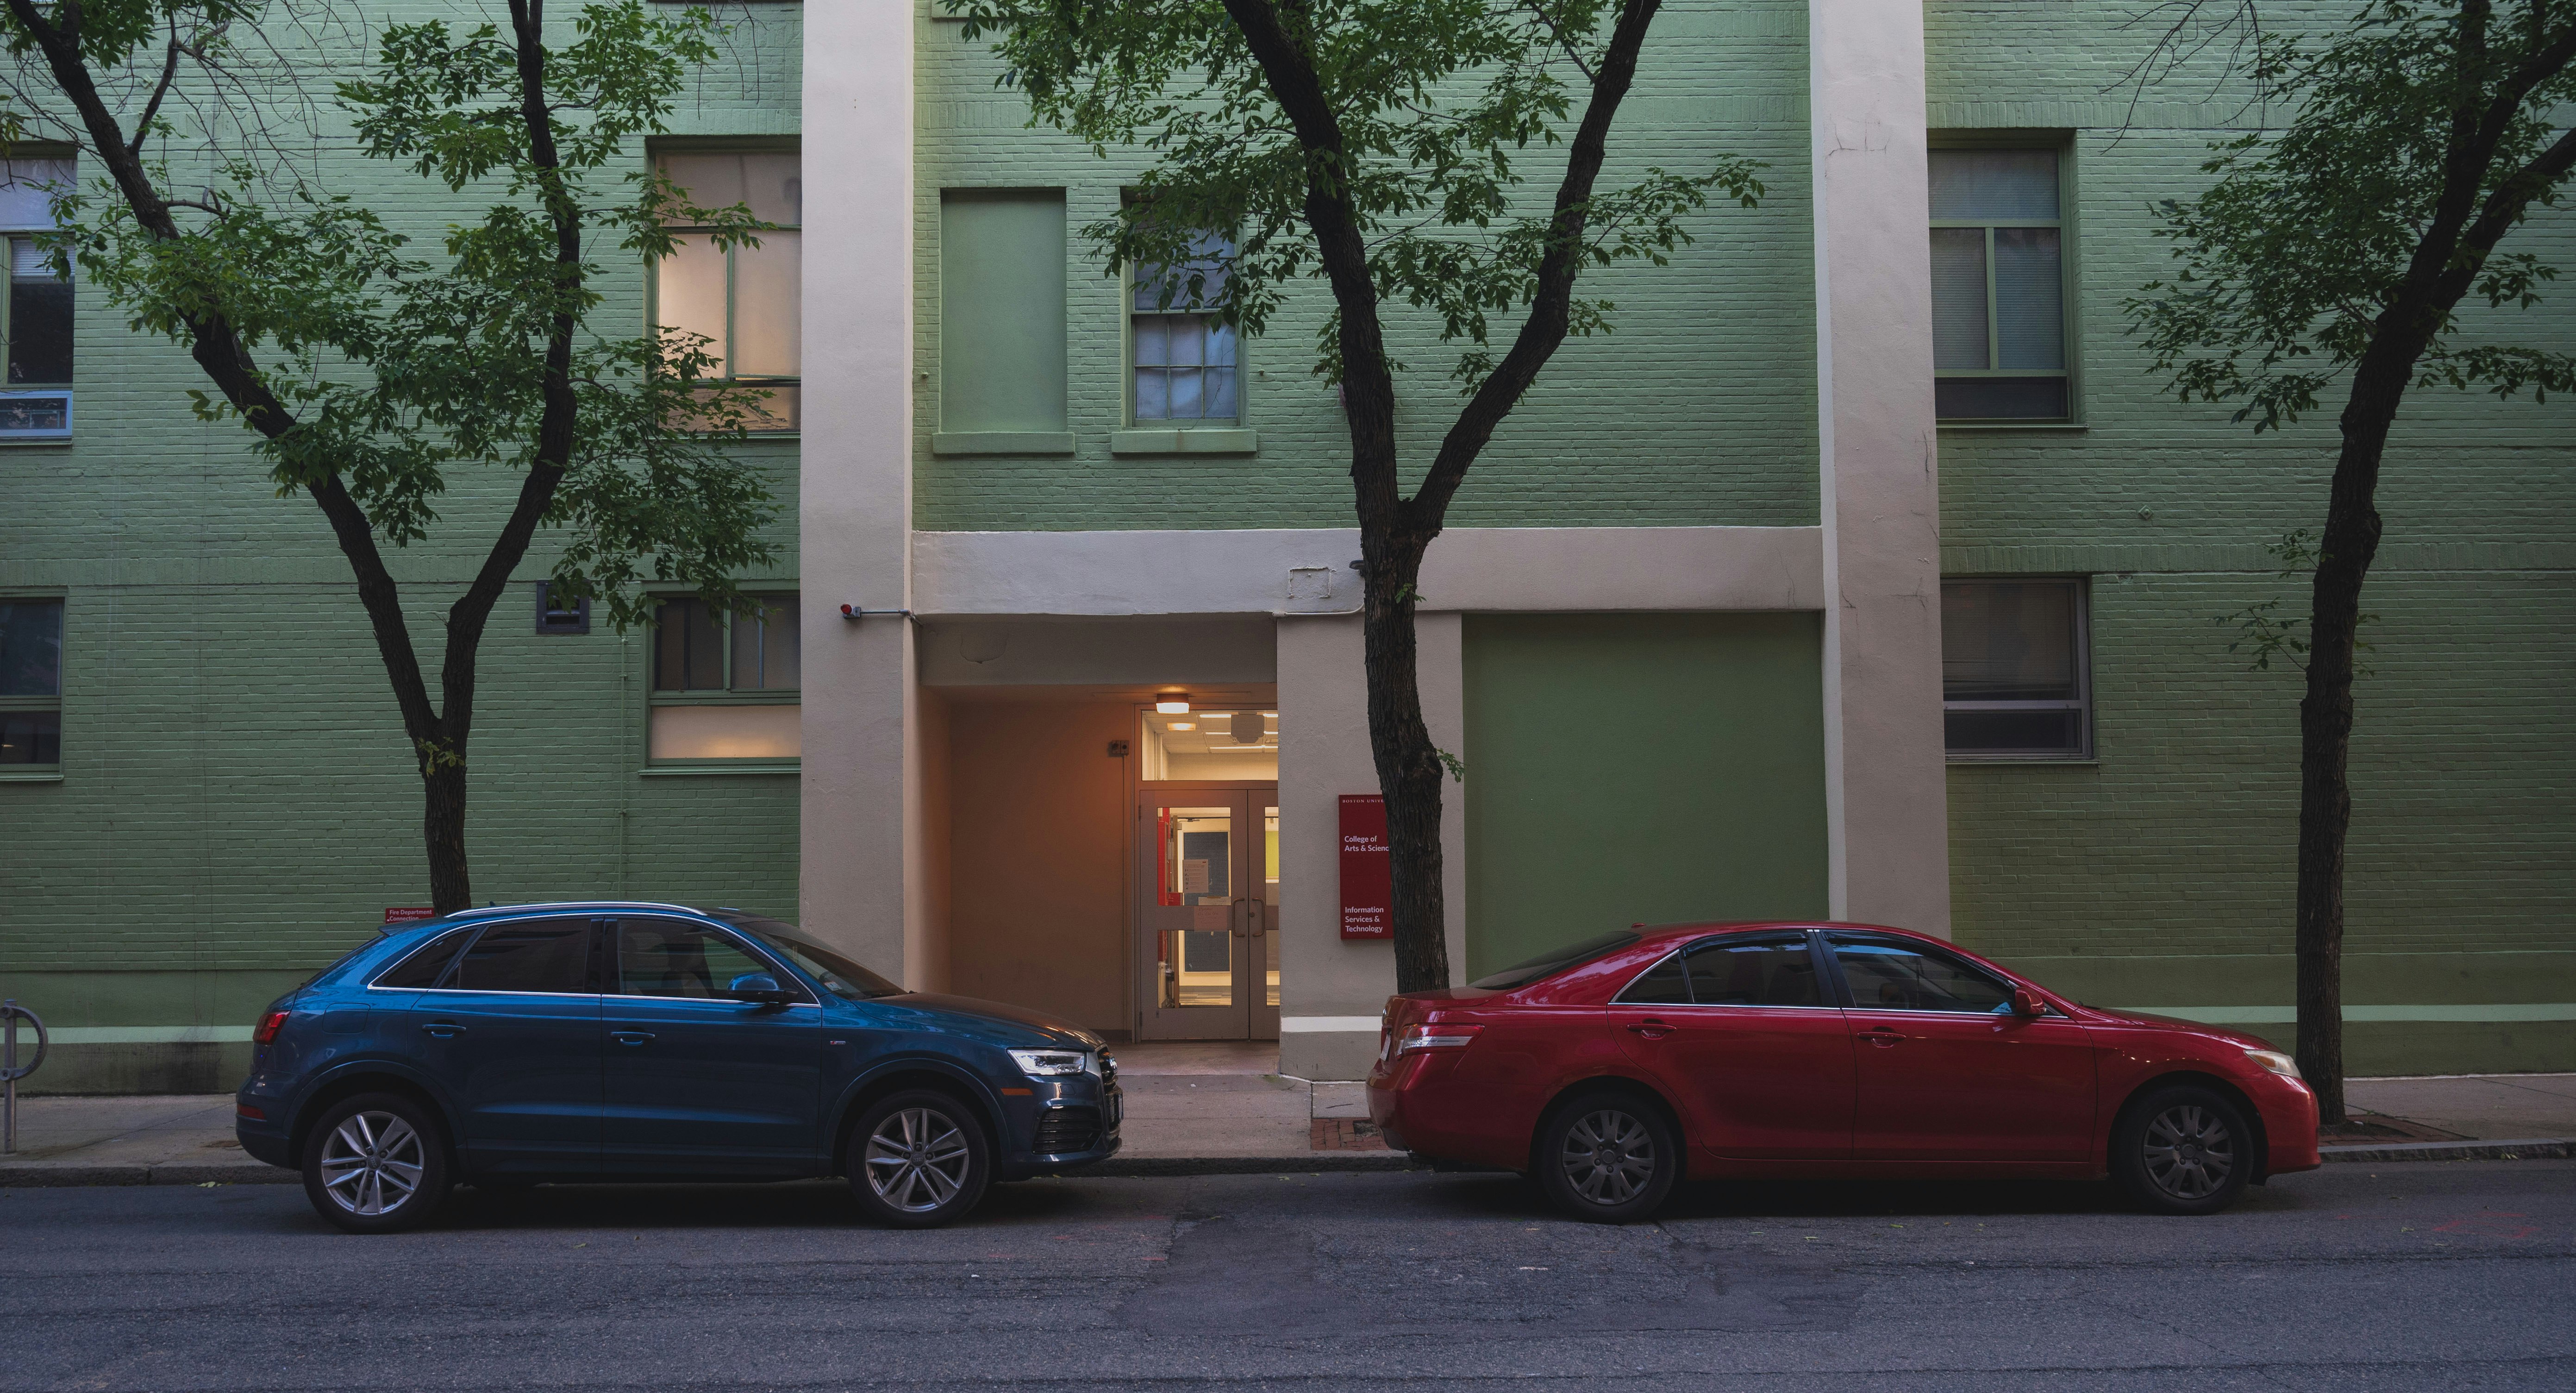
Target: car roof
[
  {"x": 1661, "y": 933},
  {"x": 490, "y": 911}
]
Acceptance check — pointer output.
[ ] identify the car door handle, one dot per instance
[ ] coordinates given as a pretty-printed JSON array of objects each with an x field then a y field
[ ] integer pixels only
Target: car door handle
[
  {"x": 1883, "y": 1035},
  {"x": 630, "y": 1037},
  {"x": 444, "y": 1030},
  {"x": 1651, "y": 1028}
]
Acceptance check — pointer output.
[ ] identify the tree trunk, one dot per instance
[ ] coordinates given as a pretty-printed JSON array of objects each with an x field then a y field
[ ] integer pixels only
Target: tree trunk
[
  {"x": 2344, "y": 555},
  {"x": 1408, "y": 764},
  {"x": 443, "y": 829}
]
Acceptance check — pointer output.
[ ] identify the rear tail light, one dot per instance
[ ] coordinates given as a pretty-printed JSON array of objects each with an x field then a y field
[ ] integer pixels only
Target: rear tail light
[
  {"x": 1437, "y": 1037},
  {"x": 246, "y": 1110},
  {"x": 268, "y": 1027}
]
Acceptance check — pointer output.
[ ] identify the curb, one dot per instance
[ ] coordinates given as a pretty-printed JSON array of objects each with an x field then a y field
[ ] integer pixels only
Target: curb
[
  {"x": 50, "y": 1177},
  {"x": 2530, "y": 1149},
  {"x": 1136, "y": 1167}
]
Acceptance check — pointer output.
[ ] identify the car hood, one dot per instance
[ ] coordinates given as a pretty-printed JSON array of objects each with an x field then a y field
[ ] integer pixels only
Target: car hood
[
  {"x": 2148, "y": 1020},
  {"x": 1056, "y": 1029}
]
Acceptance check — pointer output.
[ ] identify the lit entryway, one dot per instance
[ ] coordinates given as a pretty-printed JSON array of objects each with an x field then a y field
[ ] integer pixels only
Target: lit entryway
[{"x": 1208, "y": 911}]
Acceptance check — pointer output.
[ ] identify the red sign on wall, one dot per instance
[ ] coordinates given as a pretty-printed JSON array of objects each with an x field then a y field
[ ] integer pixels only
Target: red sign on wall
[
  {"x": 409, "y": 914},
  {"x": 1368, "y": 876}
]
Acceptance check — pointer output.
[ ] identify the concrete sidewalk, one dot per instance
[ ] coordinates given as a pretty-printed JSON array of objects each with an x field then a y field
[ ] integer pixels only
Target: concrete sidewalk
[{"x": 1206, "y": 1109}]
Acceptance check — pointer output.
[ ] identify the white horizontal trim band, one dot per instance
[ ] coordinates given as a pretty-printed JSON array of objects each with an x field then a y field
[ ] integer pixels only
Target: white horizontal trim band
[
  {"x": 137, "y": 1034},
  {"x": 2286, "y": 1015},
  {"x": 1319, "y": 1025}
]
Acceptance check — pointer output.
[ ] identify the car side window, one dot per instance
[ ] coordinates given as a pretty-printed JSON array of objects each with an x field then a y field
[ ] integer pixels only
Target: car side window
[
  {"x": 1759, "y": 972},
  {"x": 527, "y": 955},
  {"x": 673, "y": 957},
  {"x": 428, "y": 965},
  {"x": 1888, "y": 976},
  {"x": 1662, "y": 985}
]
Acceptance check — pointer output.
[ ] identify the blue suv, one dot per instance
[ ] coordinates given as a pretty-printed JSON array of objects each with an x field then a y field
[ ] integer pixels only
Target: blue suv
[{"x": 630, "y": 1041}]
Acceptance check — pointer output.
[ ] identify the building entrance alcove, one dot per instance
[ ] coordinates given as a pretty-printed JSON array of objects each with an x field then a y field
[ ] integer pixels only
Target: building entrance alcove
[{"x": 1108, "y": 863}]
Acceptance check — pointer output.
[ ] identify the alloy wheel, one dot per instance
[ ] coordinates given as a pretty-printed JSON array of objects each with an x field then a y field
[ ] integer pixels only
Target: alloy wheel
[
  {"x": 1608, "y": 1158},
  {"x": 372, "y": 1163},
  {"x": 917, "y": 1160},
  {"x": 2189, "y": 1151}
]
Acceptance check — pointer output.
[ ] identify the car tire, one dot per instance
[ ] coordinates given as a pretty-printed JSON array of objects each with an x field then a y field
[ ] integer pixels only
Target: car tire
[
  {"x": 2183, "y": 1149},
  {"x": 1608, "y": 1158},
  {"x": 377, "y": 1163},
  {"x": 919, "y": 1159}
]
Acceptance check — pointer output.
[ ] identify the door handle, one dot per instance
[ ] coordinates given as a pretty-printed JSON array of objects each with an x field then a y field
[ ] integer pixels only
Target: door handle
[
  {"x": 630, "y": 1037},
  {"x": 1651, "y": 1028},
  {"x": 1883, "y": 1036},
  {"x": 444, "y": 1030}
]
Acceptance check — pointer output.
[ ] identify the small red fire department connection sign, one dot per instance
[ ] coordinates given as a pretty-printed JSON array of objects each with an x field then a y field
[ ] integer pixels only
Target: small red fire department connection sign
[
  {"x": 1368, "y": 877},
  {"x": 409, "y": 914}
]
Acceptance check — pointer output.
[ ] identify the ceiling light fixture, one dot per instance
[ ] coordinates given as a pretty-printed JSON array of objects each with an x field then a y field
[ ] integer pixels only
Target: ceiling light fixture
[
  {"x": 1181, "y": 725},
  {"x": 1172, "y": 703}
]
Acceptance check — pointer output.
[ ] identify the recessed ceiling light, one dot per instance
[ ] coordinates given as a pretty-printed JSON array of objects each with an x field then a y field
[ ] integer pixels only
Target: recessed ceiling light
[{"x": 1182, "y": 725}]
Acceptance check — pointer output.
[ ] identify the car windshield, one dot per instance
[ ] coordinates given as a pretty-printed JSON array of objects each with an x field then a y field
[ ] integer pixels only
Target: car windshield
[
  {"x": 1554, "y": 961},
  {"x": 839, "y": 976}
]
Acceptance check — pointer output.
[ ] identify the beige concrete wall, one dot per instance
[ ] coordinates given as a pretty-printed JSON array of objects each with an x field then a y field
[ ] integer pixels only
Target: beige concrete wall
[
  {"x": 1330, "y": 990},
  {"x": 862, "y": 884},
  {"x": 1886, "y": 798},
  {"x": 1037, "y": 820}
]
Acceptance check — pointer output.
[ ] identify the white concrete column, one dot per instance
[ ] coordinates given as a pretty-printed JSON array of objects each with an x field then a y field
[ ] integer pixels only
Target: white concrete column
[
  {"x": 1889, "y": 820},
  {"x": 1330, "y": 990},
  {"x": 860, "y": 886}
]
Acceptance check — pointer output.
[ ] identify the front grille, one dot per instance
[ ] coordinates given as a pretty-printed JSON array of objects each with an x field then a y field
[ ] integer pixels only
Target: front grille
[{"x": 1062, "y": 1130}]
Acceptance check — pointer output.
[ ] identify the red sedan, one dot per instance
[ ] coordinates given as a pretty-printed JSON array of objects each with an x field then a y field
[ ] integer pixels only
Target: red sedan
[{"x": 1609, "y": 1070}]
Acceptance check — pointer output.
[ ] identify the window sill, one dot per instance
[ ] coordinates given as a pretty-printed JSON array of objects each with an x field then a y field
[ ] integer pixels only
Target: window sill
[
  {"x": 35, "y": 442},
  {"x": 773, "y": 696},
  {"x": 31, "y": 776},
  {"x": 2022, "y": 761},
  {"x": 1001, "y": 442},
  {"x": 2019, "y": 427},
  {"x": 1184, "y": 442},
  {"x": 722, "y": 767}
]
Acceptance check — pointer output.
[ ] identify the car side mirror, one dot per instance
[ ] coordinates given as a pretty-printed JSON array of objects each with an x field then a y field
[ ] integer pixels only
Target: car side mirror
[
  {"x": 2027, "y": 1003},
  {"x": 757, "y": 986}
]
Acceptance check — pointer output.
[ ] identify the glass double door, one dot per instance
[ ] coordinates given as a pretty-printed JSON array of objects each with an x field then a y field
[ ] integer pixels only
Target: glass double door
[{"x": 1209, "y": 915}]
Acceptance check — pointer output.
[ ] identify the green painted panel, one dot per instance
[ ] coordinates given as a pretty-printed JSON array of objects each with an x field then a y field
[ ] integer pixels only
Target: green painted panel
[
  {"x": 1626, "y": 768},
  {"x": 1001, "y": 310}
]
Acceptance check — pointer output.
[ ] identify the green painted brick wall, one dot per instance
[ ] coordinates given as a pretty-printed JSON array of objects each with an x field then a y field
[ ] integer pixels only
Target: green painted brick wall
[
  {"x": 1628, "y": 768},
  {"x": 2162, "y": 874},
  {"x": 236, "y": 805},
  {"x": 1699, "y": 409}
]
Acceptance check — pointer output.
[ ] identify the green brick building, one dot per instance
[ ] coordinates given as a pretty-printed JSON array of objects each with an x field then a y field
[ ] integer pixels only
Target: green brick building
[{"x": 1862, "y": 572}]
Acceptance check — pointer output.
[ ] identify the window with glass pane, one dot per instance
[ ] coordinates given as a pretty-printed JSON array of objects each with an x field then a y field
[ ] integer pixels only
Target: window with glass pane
[
  {"x": 1998, "y": 286},
  {"x": 2015, "y": 679},
  {"x": 724, "y": 685},
  {"x": 1185, "y": 369},
  {"x": 31, "y": 684},
  {"x": 745, "y": 301},
  {"x": 36, "y": 306}
]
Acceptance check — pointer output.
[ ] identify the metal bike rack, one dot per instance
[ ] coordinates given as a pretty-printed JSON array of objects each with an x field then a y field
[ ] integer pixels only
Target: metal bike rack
[{"x": 11, "y": 1070}]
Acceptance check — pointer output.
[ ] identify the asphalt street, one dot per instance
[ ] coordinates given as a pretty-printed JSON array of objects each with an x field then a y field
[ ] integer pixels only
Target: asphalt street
[{"x": 2417, "y": 1277}]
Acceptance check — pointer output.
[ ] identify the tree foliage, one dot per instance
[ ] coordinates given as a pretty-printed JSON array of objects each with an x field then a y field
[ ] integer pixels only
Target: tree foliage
[
  {"x": 2424, "y": 128},
  {"x": 1441, "y": 107},
  {"x": 369, "y": 369}
]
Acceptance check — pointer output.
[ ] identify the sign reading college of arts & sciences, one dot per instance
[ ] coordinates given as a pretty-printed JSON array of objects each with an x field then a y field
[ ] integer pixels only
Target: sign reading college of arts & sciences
[{"x": 1368, "y": 876}]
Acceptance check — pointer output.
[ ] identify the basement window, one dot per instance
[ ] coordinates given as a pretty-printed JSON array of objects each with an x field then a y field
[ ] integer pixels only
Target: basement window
[{"x": 724, "y": 686}]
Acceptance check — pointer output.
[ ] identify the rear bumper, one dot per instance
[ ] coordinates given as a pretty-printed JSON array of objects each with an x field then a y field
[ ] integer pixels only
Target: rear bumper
[{"x": 263, "y": 1138}]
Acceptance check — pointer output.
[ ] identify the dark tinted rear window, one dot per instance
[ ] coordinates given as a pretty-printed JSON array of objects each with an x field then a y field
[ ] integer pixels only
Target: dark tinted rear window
[
  {"x": 528, "y": 955},
  {"x": 427, "y": 965},
  {"x": 1763, "y": 972},
  {"x": 1548, "y": 964}
]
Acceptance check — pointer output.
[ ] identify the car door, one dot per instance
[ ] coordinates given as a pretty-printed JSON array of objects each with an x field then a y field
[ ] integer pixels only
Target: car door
[
  {"x": 1948, "y": 1072},
  {"x": 699, "y": 1083},
  {"x": 510, "y": 1024},
  {"x": 1743, "y": 1031}
]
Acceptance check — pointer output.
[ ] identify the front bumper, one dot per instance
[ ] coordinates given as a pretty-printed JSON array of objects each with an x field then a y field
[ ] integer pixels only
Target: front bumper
[
  {"x": 1071, "y": 1130},
  {"x": 2289, "y": 1124}
]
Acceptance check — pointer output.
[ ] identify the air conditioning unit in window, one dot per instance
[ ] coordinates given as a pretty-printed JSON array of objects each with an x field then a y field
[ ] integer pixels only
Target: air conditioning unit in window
[{"x": 44, "y": 415}]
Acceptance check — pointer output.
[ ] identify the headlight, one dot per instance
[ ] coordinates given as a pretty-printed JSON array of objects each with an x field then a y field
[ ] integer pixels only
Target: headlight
[
  {"x": 1052, "y": 1064},
  {"x": 2275, "y": 1061}
]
